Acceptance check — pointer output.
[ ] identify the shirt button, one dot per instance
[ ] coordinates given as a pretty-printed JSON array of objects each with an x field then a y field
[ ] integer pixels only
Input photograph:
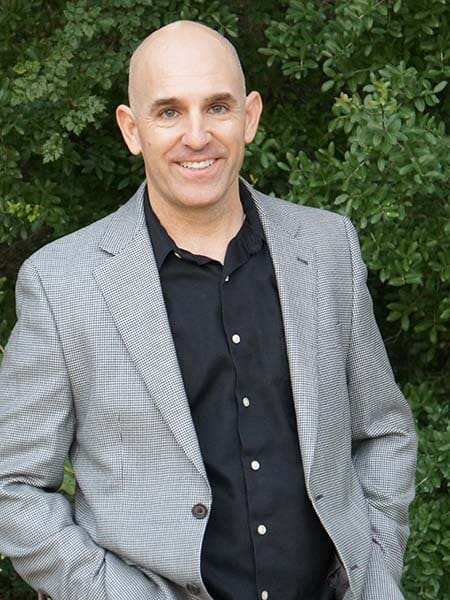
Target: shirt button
[
  {"x": 255, "y": 465},
  {"x": 199, "y": 511},
  {"x": 262, "y": 529},
  {"x": 193, "y": 589},
  {"x": 227, "y": 278},
  {"x": 236, "y": 338},
  {"x": 264, "y": 595},
  {"x": 246, "y": 402},
  {"x": 177, "y": 254}
]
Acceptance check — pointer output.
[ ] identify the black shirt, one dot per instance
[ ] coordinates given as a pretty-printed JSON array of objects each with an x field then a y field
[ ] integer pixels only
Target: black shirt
[{"x": 263, "y": 538}]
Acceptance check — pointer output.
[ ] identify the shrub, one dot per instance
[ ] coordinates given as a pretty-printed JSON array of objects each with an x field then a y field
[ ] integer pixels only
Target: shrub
[{"x": 356, "y": 111}]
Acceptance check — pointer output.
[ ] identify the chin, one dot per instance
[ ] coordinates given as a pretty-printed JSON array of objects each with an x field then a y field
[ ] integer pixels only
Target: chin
[
  {"x": 198, "y": 196},
  {"x": 198, "y": 200}
]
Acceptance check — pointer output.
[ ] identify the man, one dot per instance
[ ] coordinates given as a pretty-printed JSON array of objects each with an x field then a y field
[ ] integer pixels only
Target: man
[{"x": 209, "y": 358}]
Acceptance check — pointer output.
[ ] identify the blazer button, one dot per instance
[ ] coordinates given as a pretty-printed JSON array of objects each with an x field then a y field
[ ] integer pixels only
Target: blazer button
[
  {"x": 199, "y": 511},
  {"x": 193, "y": 589}
]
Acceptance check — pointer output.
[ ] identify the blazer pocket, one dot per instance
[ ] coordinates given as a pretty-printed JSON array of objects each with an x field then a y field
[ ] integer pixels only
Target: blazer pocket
[
  {"x": 99, "y": 453},
  {"x": 337, "y": 579}
]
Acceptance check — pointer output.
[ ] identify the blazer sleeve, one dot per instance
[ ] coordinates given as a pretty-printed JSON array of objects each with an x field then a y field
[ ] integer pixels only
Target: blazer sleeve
[
  {"x": 384, "y": 443},
  {"x": 37, "y": 425}
]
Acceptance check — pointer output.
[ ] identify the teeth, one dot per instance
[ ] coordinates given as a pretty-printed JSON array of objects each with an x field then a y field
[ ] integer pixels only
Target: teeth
[{"x": 198, "y": 165}]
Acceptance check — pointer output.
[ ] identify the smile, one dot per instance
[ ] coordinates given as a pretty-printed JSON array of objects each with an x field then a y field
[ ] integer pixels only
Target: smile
[{"x": 203, "y": 164}]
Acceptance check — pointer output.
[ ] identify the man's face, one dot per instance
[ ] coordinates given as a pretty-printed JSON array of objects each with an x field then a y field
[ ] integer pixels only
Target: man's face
[{"x": 192, "y": 122}]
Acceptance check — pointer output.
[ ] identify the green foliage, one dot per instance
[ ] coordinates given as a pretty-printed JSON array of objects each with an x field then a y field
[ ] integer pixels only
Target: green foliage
[
  {"x": 428, "y": 553},
  {"x": 356, "y": 121},
  {"x": 68, "y": 485}
]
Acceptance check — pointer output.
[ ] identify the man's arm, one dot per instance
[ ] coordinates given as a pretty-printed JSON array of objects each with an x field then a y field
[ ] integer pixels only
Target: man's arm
[
  {"x": 37, "y": 426},
  {"x": 384, "y": 439}
]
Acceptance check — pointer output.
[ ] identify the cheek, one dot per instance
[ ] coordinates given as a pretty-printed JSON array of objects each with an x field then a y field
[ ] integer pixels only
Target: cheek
[
  {"x": 159, "y": 142},
  {"x": 230, "y": 133}
]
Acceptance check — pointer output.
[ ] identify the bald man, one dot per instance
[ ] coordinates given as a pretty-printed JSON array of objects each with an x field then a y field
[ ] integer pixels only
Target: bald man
[{"x": 208, "y": 357}]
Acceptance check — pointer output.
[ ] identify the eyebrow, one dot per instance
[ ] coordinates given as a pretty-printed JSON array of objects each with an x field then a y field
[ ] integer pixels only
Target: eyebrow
[{"x": 174, "y": 101}]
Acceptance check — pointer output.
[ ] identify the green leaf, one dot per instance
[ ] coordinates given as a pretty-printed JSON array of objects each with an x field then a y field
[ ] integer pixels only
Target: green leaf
[
  {"x": 439, "y": 87},
  {"x": 413, "y": 278},
  {"x": 381, "y": 164},
  {"x": 396, "y": 281},
  {"x": 405, "y": 322},
  {"x": 377, "y": 139},
  {"x": 327, "y": 85},
  {"x": 283, "y": 166},
  {"x": 445, "y": 315},
  {"x": 419, "y": 103},
  {"x": 409, "y": 168},
  {"x": 341, "y": 199},
  {"x": 20, "y": 69}
]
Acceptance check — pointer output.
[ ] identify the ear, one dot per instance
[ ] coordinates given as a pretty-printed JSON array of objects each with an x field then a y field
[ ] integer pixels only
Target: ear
[
  {"x": 128, "y": 126},
  {"x": 253, "y": 110}
]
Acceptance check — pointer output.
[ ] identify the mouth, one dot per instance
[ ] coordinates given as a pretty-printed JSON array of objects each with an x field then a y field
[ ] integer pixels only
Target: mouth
[
  {"x": 198, "y": 165},
  {"x": 199, "y": 170}
]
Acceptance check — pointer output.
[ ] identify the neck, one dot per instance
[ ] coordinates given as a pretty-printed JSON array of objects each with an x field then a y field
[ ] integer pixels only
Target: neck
[{"x": 205, "y": 230}]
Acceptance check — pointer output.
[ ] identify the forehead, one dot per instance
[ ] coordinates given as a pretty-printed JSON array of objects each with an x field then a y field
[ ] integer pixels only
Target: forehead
[{"x": 191, "y": 69}]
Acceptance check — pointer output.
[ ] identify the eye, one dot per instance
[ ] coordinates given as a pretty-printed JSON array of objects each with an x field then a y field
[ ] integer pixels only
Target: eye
[
  {"x": 169, "y": 113},
  {"x": 219, "y": 109}
]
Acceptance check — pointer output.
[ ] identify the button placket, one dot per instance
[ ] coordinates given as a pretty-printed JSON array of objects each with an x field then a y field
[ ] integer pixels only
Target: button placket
[{"x": 236, "y": 331}]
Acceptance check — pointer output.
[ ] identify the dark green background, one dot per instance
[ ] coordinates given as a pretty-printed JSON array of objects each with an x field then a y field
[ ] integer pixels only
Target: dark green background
[{"x": 356, "y": 117}]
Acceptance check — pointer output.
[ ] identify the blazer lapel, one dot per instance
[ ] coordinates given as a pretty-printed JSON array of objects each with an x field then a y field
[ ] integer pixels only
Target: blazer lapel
[
  {"x": 129, "y": 281},
  {"x": 295, "y": 268}
]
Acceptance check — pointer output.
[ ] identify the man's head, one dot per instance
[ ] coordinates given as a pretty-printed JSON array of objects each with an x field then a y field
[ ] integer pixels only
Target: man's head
[{"x": 189, "y": 115}]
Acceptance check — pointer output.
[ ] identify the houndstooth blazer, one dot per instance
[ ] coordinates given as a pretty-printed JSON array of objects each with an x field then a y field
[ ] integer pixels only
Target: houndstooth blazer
[{"x": 91, "y": 370}]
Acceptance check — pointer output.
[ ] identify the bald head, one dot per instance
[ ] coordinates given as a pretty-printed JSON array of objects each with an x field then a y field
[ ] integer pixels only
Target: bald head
[
  {"x": 179, "y": 41},
  {"x": 188, "y": 104}
]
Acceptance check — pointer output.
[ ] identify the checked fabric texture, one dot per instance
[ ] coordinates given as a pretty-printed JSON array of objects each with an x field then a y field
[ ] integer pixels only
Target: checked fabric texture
[{"x": 91, "y": 370}]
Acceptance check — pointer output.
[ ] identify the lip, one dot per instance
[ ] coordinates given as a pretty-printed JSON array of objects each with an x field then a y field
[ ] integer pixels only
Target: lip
[
  {"x": 198, "y": 174},
  {"x": 197, "y": 159}
]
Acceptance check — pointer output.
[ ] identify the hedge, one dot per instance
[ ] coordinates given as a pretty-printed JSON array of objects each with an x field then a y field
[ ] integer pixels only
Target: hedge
[{"x": 356, "y": 117}]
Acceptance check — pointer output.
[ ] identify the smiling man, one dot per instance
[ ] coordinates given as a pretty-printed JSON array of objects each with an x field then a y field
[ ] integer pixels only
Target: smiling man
[
  {"x": 209, "y": 358},
  {"x": 190, "y": 118}
]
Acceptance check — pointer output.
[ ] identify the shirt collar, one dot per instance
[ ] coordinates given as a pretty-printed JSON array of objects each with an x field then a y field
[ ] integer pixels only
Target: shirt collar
[{"x": 251, "y": 231}]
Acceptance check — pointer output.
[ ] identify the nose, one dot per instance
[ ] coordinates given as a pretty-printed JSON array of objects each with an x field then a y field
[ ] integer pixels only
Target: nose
[{"x": 196, "y": 134}]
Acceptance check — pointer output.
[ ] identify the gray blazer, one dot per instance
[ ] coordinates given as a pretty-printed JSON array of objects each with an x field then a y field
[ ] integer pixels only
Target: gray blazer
[{"x": 91, "y": 370}]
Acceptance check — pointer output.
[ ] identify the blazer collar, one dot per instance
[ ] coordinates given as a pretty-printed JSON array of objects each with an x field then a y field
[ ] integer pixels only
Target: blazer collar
[
  {"x": 125, "y": 223},
  {"x": 129, "y": 219}
]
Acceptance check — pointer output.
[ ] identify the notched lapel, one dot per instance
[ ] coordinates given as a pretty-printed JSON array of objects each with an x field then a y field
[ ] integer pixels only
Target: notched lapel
[
  {"x": 130, "y": 284},
  {"x": 295, "y": 268}
]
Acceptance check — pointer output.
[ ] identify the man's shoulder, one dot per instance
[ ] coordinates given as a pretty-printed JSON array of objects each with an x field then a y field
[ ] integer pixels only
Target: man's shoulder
[
  {"x": 82, "y": 249},
  {"x": 73, "y": 249},
  {"x": 311, "y": 213},
  {"x": 312, "y": 222}
]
